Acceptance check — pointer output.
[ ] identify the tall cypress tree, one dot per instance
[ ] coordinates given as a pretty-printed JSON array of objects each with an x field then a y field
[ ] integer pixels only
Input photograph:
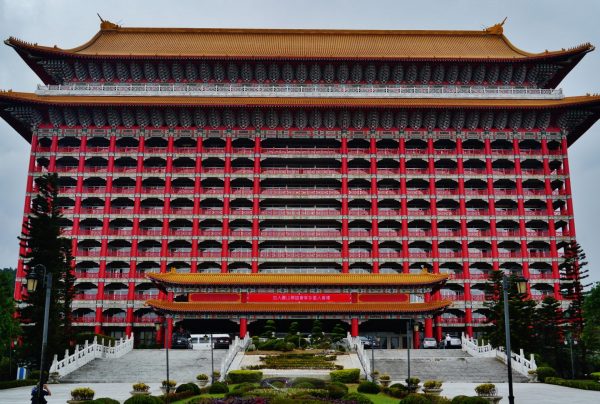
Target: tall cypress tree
[
  {"x": 572, "y": 273},
  {"x": 45, "y": 245},
  {"x": 549, "y": 334}
]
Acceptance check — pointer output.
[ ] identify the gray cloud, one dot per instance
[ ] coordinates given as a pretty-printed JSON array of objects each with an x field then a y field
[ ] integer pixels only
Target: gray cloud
[{"x": 532, "y": 25}]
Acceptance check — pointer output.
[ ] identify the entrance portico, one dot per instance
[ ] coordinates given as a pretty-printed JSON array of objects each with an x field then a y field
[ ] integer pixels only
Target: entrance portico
[{"x": 353, "y": 298}]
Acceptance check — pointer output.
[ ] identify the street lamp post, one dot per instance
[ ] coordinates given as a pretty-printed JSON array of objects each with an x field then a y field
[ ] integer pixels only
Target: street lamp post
[
  {"x": 408, "y": 344},
  {"x": 33, "y": 277},
  {"x": 168, "y": 388},
  {"x": 570, "y": 341},
  {"x": 212, "y": 359},
  {"x": 521, "y": 285}
]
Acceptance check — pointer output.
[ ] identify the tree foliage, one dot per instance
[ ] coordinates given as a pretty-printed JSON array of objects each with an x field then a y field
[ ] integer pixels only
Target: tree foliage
[
  {"x": 591, "y": 329},
  {"x": 573, "y": 271},
  {"x": 43, "y": 243},
  {"x": 9, "y": 326}
]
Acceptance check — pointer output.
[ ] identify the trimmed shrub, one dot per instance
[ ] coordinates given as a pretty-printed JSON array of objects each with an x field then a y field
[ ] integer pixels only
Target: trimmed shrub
[
  {"x": 397, "y": 392},
  {"x": 188, "y": 387},
  {"x": 486, "y": 389},
  {"x": 545, "y": 371},
  {"x": 414, "y": 398},
  {"x": 315, "y": 383},
  {"x": 244, "y": 376},
  {"x": 304, "y": 385},
  {"x": 218, "y": 388},
  {"x": 468, "y": 400},
  {"x": 104, "y": 400},
  {"x": 595, "y": 376},
  {"x": 82, "y": 393},
  {"x": 345, "y": 376},
  {"x": 143, "y": 400},
  {"x": 576, "y": 384},
  {"x": 357, "y": 398},
  {"x": 336, "y": 390},
  {"x": 9, "y": 384},
  {"x": 368, "y": 387}
]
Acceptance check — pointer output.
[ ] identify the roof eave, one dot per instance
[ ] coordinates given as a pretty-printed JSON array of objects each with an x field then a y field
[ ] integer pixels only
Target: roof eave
[{"x": 30, "y": 59}]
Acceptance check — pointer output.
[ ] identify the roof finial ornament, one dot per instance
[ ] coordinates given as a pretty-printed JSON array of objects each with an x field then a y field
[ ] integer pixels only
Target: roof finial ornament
[
  {"x": 105, "y": 24},
  {"x": 497, "y": 29}
]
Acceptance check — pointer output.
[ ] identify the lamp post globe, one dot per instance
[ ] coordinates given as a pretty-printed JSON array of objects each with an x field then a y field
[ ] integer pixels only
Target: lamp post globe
[{"x": 33, "y": 277}]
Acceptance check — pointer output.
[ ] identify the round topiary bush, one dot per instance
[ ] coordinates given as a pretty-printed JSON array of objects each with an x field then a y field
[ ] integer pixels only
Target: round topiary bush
[
  {"x": 104, "y": 400},
  {"x": 468, "y": 400},
  {"x": 218, "y": 388},
  {"x": 336, "y": 390},
  {"x": 368, "y": 387},
  {"x": 304, "y": 385},
  {"x": 414, "y": 398},
  {"x": 314, "y": 382},
  {"x": 245, "y": 376},
  {"x": 188, "y": 387},
  {"x": 357, "y": 398},
  {"x": 545, "y": 371},
  {"x": 143, "y": 400}
]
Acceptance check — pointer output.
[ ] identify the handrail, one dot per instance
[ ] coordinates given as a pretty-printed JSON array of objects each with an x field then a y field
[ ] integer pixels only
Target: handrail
[
  {"x": 518, "y": 361},
  {"x": 239, "y": 345},
  {"x": 298, "y": 90},
  {"x": 88, "y": 353},
  {"x": 356, "y": 344}
]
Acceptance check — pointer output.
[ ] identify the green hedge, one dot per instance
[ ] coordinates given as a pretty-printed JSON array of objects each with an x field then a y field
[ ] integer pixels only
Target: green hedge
[
  {"x": 345, "y": 375},
  {"x": 104, "y": 400},
  {"x": 218, "y": 388},
  {"x": 576, "y": 384},
  {"x": 595, "y": 376},
  {"x": 545, "y": 371},
  {"x": 188, "y": 387},
  {"x": 314, "y": 382},
  {"x": 469, "y": 400},
  {"x": 357, "y": 398},
  {"x": 244, "y": 376},
  {"x": 9, "y": 384},
  {"x": 368, "y": 387},
  {"x": 143, "y": 400}
]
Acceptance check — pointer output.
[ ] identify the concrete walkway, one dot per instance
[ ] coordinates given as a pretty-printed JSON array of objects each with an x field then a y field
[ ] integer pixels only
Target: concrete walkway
[{"x": 525, "y": 393}]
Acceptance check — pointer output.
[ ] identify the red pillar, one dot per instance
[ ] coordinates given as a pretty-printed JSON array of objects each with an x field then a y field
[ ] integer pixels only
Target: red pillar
[
  {"x": 416, "y": 338},
  {"x": 243, "y": 327},
  {"x": 354, "y": 327},
  {"x": 169, "y": 333}
]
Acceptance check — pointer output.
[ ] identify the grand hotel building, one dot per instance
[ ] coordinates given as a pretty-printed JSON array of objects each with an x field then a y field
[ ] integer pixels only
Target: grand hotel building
[{"x": 302, "y": 152}]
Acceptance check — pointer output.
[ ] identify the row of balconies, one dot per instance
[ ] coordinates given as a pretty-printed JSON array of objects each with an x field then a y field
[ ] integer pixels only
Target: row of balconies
[
  {"x": 246, "y": 151},
  {"x": 285, "y": 254}
]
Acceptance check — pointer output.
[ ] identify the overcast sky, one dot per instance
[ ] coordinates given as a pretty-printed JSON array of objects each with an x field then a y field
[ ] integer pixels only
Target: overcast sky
[{"x": 532, "y": 25}]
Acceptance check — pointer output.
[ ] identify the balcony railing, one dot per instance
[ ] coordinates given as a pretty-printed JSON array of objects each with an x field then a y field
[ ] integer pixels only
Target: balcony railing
[{"x": 297, "y": 90}]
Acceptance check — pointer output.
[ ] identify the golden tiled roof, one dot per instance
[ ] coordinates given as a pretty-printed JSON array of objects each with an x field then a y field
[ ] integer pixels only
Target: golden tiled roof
[
  {"x": 388, "y": 307},
  {"x": 70, "y": 100},
  {"x": 297, "y": 279},
  {"x": 113, "y": 40}
]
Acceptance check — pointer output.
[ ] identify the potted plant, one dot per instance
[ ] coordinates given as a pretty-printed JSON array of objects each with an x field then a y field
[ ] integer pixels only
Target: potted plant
[
  {"x": 433, "y": 387},
  {"x": 168, "y": 386},
  {"x": 375, "y": 376},
  {"x": 140, "y": 389},
  {"x": 385, "y": 380},
  {"x": 532, "y": 375},
  {"x": 201, "y": 380},
  {"x": 216, "y": 376},
  {"x": 488, "y": 391},
  {"x": 81, "y": 395},
  {"x": 53, "y": 378},
  {"x": 412, "y": 384}
]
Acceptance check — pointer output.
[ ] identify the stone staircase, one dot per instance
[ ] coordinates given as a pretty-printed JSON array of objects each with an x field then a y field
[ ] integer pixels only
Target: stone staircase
[
  {"x": 452, "y": 365},
  {"x": 148, "y": 366}
]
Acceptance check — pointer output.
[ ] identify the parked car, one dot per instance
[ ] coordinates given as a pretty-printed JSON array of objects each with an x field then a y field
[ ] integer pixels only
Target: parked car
[
  {"x": 181, "y": 341},
  {"x": 429, "y": 343},
  {"x": 368, "y": 342},
  {"x": 455, "y": 343}
]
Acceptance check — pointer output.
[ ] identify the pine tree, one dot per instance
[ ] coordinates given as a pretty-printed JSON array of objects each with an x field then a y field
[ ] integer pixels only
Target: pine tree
[
  {"x": 521, "y": 312},
  {"x": 44, "y": 245},
  {"x": 9, "y": 325},
  {"x": 572, "y": 272},
  {"x": 548, "y": 332}
]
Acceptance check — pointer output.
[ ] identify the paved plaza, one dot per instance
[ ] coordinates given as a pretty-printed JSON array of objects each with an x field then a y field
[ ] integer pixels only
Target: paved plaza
[{"x": 525, "y": 393}]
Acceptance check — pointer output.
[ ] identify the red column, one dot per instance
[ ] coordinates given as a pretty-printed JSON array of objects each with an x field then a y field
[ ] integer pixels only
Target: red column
[
  {"x": 345, "y": 213},
  {"x": 403, "y": 206},
  {"x": 226, "y": 201},
  {"x": 521, "y": 208},
  {"x": 551, "y": 226},
  {"x": 416, "y": 338},
  {"x": 568, "y": 193},
  {"x": 374, "y": 207},
  {"x": 169, "y": 333},
  {"x": 492, "y": 204},
  {"x": 256, "y": 204},
  {"x": 354, "y": 327},
  {"x": 243, "y": 327}
]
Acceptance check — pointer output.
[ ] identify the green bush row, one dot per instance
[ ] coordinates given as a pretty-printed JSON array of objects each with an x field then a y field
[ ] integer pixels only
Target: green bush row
[
  {"x": 244, "y": 376},
  {"x": 576, "y": 384},
  {"x": 545, "y": 371},
  {"x": 9, "y": 384},
  {"x": 345, "y": 376}
]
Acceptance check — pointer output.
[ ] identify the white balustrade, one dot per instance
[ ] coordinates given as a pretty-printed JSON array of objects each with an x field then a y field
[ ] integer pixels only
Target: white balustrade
[
  {"x": 299, "y": 90},
  {"x": 519, "y": 363},
  {"x": 88, "y": 353},
  {"x": 356, "y": 344},
  {"x": 238, "y": 345}
]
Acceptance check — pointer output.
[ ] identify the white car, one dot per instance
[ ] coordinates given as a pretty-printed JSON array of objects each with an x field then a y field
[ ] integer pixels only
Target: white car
[{"x": 429, "y": 343}]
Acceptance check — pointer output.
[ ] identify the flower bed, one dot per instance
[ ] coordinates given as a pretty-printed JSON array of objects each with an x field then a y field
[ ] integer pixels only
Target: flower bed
[{"x": 298, "y": 361}]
